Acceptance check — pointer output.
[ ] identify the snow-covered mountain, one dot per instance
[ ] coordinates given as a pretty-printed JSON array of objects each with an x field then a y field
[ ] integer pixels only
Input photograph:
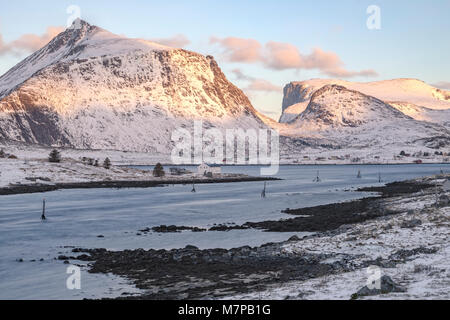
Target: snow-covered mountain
[
  {"x": 413, "y": 97},
  {"x": 342, "y": 118},
  {"x": 91, "y": 89}
]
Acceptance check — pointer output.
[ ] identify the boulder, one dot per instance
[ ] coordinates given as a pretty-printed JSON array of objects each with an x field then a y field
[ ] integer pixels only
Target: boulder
[
  {"x": 387, "y": 285},
  {"x": 411, "y": 223}
]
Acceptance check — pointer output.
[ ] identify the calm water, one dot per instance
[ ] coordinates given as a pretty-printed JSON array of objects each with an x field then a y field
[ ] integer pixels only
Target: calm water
[{"x": 77, "y": 217}]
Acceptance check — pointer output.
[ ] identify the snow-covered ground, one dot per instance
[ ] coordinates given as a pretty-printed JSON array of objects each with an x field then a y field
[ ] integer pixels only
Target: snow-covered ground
[
  {"x": 41, "y": 171},
  {"x": 289, "y": 154},
  {"x": 425, "y": 276},
  {"x": 29, "y": 172}
]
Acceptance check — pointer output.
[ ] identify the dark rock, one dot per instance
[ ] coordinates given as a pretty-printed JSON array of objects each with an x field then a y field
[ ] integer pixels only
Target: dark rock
[
  {"x": 173, "y": 229},
  {"x": 444, "y": 200},
  {"x": 387, "y": 285},
  {"x": 411, "y": 223},
  {"x": 83, "y": 257},
  {"x": 294, "y": 238},
  {"x": 403, "y": 254},
  {"x": 398, "y": 188},
  {"x": 224, "y": 227}
]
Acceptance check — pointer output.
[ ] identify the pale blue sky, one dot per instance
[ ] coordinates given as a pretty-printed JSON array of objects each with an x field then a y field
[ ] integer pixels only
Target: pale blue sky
[{"x": 413, "y": 41}]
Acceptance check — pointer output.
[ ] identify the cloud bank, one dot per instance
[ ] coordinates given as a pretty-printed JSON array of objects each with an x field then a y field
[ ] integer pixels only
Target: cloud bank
[
  {"x": 256, "y": 84},
  {"x": 28, "y": 42},
  {"x": 285, "y": 56},
  {"x": 177, "y": 41}
]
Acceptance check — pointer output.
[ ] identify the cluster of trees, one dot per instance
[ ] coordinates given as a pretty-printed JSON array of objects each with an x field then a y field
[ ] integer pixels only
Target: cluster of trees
[
  {"x": 55, "y": 157},
  {"x": 96, "y": 163},
  {"x": 90, "y": 161}
]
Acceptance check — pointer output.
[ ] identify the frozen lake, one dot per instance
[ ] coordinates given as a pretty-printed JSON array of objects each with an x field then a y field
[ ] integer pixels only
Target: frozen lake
[{"x": 77, "y": 217}]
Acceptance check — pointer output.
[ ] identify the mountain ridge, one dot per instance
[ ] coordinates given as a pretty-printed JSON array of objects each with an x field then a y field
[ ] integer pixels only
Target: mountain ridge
[
  {"x": 343, "y": 118},
  {"x": 129, "y": 99},
  {"x": 297, "y": 94}
]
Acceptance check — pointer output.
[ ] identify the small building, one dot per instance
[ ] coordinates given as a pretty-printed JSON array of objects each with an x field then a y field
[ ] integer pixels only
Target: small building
[{"x": 209, "y": 169}]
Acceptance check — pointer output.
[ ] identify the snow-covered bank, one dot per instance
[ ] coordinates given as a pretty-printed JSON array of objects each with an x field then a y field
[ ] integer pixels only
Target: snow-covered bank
[
  {"x": 420, "y": 227},
  {"x": 38, "y": 175}
]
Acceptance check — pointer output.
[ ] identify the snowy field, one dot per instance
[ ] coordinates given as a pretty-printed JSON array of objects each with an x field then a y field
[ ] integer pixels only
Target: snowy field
[
  {"x": 76, "y": 218},
  {"x": 288, "y": 155},
  {"x": 38, "y": 171}
]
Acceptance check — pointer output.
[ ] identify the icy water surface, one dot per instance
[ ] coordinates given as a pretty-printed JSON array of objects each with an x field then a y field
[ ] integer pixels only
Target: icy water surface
[{"x": 77, "y": 217}]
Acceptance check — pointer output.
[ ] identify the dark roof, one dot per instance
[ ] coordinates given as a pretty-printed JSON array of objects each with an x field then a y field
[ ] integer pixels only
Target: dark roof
[{"x": 213, "y": 165}]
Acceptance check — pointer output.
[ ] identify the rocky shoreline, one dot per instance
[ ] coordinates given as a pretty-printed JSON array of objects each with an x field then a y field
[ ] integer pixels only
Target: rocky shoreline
[
  {"x": 246, "y": 272},
  {"x": 320, "y": 218},
  {"x": 38, "y": 188}
]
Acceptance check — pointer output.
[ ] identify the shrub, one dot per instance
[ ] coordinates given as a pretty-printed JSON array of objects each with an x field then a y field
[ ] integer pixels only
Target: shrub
[
  {"x": 107, "y": 163},
  {"x": 158, "y": 171},
  {"x": 54, "y": 156}
]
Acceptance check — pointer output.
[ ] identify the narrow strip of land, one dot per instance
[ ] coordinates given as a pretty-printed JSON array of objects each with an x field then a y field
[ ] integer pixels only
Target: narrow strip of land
[{"x": 37, "y": 188}]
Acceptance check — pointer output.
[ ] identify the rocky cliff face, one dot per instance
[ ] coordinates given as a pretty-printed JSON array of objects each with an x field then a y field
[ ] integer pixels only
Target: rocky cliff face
[{"x": 92, "y": 89}]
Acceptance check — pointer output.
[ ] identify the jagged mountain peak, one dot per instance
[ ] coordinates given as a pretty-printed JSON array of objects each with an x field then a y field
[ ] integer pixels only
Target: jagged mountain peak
[
  {"x": 70, "y": 37},
  {"x": 80, "y": 41},
  {"x": 89, "y": 88}
]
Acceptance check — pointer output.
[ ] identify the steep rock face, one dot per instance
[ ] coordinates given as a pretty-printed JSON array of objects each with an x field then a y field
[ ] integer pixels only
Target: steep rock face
[
  {"x": 405, "y": 91},
  {"x": 91, "y": 89},
  {"x": 296, "y": 92},
  {"x": 296, "y": 97}
]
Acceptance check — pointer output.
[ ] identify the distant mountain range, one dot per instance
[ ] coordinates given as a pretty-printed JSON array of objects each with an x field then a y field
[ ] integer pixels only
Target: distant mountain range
[
  {"x": 344, "y": 118},
  {"x": 411, "y": 96},
  {"x": 91, "y": 89}
]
